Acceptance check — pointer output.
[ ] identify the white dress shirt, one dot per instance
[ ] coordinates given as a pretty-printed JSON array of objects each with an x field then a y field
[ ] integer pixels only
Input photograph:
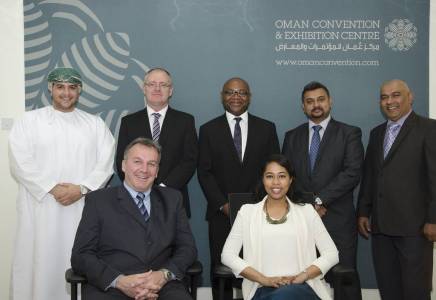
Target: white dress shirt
[{"x": 151, "y": 111}]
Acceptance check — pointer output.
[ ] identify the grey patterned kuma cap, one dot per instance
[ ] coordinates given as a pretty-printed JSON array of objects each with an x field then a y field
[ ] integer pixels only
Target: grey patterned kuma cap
[{"x": 68, "y": 75}]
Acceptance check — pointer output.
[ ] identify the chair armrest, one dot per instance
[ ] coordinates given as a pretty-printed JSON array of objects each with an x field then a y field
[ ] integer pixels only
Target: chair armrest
[
  {"x": 222, "y": 271},
  {"x": 343, "y": 275},
  {"x": 195, "y": 269},
  {"x": 72, "y": 277}
]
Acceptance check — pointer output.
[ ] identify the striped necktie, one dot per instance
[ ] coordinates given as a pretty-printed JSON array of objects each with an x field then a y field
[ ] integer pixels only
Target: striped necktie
[
  {"x": 141, "y": 205},
  {"x": 156, "y": 127},
  {"x": 314, "y": 146},
  {"x": 390, "y": 136}
]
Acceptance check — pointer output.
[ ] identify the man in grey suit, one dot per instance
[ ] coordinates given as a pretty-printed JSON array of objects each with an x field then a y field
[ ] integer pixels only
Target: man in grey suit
[
  {"x": 327, "y": 156},
  {"x": 134, "y": 241},
  {"x": 232, "y": 150},
  {"x": 397, "y": 199}
]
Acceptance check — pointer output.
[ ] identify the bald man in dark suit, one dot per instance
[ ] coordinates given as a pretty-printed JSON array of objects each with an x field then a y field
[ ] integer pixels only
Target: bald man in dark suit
[
  {"x": 232, "y": 150},
  {"x": 397, "y": 199}
]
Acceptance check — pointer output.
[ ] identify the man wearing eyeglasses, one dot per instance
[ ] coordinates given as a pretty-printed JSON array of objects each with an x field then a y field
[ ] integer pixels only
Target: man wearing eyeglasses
[
  {"x": 173, "y": 129},
  {"x": 232, "y": 149}
]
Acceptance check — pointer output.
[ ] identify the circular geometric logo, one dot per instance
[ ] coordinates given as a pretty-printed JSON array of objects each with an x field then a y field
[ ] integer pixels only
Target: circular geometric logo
[{"x": 400, "y": 35}]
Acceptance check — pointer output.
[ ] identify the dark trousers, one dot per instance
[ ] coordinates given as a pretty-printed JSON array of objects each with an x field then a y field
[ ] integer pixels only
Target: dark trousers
[
  {"x": 172, "y": 290},
  {"x": 403, "y": 266},
  {"x": 219, "y": 229}
]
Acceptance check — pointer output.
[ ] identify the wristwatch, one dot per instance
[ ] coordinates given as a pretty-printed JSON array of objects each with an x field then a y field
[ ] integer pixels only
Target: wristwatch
[
  {"x": 83, "y": 190},
  {"x": 167, "y": 274},
  {"x": 318, "y": 201}
]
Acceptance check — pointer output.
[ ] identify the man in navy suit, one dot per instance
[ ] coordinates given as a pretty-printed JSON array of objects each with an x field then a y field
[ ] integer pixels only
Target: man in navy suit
[
  {"x": 327, "y": 156},
  {"x": 173, "y": 129},
  {"x": 232, "y": 150},
  {"x": 134, "y": 241},
  {"x": 397, "y": 199}
]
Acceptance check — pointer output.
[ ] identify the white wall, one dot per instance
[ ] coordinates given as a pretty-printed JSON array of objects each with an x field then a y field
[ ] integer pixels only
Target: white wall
[{"x": 12, "y": 106}]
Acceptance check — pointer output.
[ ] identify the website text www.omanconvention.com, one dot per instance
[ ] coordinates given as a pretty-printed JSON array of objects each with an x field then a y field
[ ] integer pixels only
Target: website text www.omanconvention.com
[{"x": 336, "y": 63}]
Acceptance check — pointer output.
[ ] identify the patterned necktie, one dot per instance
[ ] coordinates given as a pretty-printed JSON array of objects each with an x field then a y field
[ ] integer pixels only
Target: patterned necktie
[
  {"x": 156, "y": 126},
  {"x": 391, "y": 134},
  {"x": 314, "y": 145},
  {"x": 237, "y": 139},
  {"x": 141, "y": 205}
]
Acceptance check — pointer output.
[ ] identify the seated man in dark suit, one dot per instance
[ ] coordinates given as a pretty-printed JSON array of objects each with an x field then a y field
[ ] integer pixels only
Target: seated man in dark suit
[{"x": 134, "y": 241}]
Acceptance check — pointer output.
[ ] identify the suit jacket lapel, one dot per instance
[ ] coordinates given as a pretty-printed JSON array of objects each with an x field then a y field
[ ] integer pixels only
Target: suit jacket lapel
[
  {"x": 155, "y": 208},
  {"x": 405, "y": 129},
  {"x": 144, "y": 124},
  {"x": 128, "y": 204},
  {"x": 251, "y": 139},
  {"x": 325, "y": 141},
  {"x": 304, "y": 138},
  {"x": 379, "y": 139},
  {"x": 228, "y": 139},
  {"x": 168, "y": 123}
]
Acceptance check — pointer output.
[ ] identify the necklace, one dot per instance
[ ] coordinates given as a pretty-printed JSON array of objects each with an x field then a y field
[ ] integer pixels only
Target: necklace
[{"x": 279, "y": 221}]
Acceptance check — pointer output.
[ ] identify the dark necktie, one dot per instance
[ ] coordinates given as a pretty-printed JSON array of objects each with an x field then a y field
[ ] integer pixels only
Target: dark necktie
[
  {"x": 156, "y": 126},
  {"x": 391, "y": 134},
  {"x": 141, "y": 205},
  {"x": 314, "y": 145},
  {"x": 237, "y": 139}
]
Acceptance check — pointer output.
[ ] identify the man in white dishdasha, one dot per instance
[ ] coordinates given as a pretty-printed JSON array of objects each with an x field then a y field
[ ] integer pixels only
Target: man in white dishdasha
[{"x": 57, "y": 154}]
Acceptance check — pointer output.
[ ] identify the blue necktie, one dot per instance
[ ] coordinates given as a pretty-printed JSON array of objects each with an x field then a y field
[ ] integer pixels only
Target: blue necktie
[
  {"x": 314, "y": 146},
  {"x": 141, "y": 205},
  {"x": 390, "y": 136},
  {"x": 237, "y": 139},
  {"x": 156, "y": 127}
]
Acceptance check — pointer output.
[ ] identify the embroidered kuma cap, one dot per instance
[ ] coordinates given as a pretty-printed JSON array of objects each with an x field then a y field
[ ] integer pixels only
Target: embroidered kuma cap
[{"x": 67, "y": 75}]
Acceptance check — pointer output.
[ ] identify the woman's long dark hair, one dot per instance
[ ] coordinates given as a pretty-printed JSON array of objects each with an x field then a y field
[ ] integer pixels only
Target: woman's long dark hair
[{"x": 285, "y": 163}]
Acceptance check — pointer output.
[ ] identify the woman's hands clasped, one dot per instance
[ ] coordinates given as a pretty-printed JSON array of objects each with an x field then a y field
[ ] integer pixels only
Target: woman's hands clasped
[{"x": 277, "y": 281}]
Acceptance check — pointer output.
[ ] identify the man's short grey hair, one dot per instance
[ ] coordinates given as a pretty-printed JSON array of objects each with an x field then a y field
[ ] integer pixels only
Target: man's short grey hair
[
  {"x": 145, "y": 142},
  {"x": 157, "y": 69}
]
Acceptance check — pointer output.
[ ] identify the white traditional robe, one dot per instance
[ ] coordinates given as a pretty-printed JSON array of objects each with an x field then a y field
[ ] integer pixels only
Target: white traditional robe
[{"x": 48, "y": 147}]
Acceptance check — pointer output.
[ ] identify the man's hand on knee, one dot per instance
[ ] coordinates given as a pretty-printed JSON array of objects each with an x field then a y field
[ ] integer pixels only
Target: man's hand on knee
[{"x": 138, "y": 286}]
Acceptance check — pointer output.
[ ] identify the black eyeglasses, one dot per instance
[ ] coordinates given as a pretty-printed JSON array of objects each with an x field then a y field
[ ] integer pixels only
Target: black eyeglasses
[{"x": 241, "y": 93}]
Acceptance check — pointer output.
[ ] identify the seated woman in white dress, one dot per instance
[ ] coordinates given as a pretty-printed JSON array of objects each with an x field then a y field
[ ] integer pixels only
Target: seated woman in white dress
[{"x": 280, "y": 239}]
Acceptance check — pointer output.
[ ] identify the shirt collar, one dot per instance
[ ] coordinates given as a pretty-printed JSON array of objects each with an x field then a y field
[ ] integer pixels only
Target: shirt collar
[
  {"x": 151, "y": 111},
  {"x": 323, "y": 124},
  {"x": 230, "y": 117},
  {"x": 400, "y": 121},
  {"x": 134, "y": 193}
]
